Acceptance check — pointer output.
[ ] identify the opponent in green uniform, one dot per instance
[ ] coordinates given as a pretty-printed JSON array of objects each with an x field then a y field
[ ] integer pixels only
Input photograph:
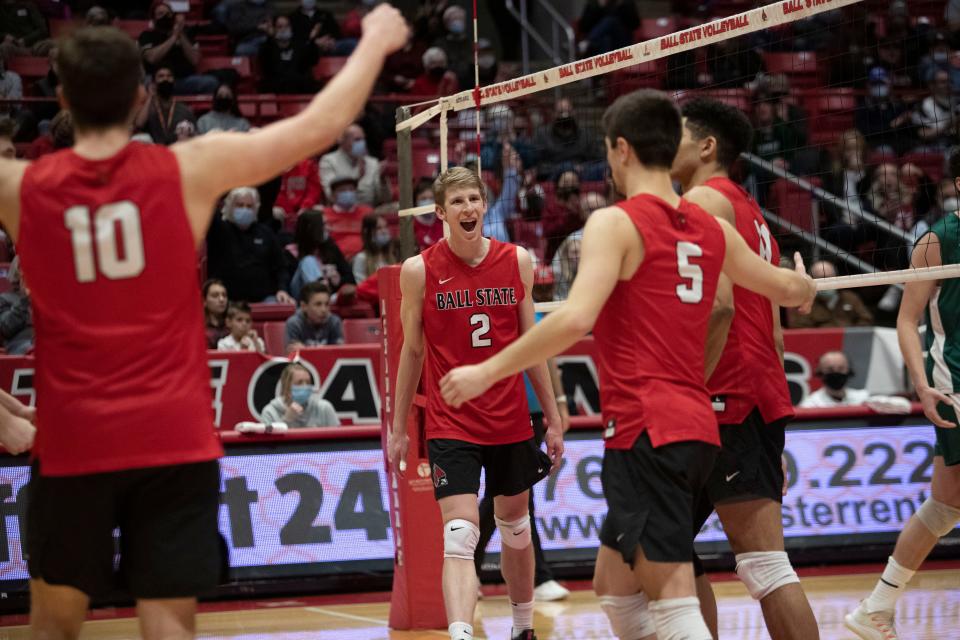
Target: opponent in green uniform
[{"x": 938, "y": 385}]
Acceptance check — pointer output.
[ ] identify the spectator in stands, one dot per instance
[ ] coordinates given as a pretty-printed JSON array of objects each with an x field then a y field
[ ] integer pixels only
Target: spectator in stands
[
  {"x": 503, "y": 207},
  {"x": 352, "y": 25},
  {"x": 320, "y": 27},
  {"x": 168, "y": 44},
  {"x": 244, "y": 253},
  {"x": 320, "y": 258},
  {"x": 58, "y": 136},
  {"x": 287, "y": 67},
  {"x": 606, "y": 25},
  {"x": 11, "y": 85},
  {"x": 379, "y": 248},
  {"x": 775, "y": 141},
  {"x": 938, "y": 59},
  {"x": 47, "y": 87},
  {"x": 951, "y": 14},
  {"x": 428, "y": 22},
  {"x": 890, "y": 58},
  {"x": 214, "y": 311},
  {"x": 343, "y": 218},
  {"x": 427, "y": 227},
  {"x": 502, "y": 129},
  {"x": 299, "y": 191},
  {"x": 834, "y": 370},
  {"x": 436, "y": 79},
  {"x": 457, "y": 44},
  {"x": 403, "y": 67},
  {"x": 351, "y": 160},
  {"x": 936, "y": 117},
  {"x": 567, "y": 257},
  {"x": 566, "y": 145},
  {"x": 777, "y": 86},
  {"x": 732, "y": 63},
  {"x": 299, "y": 403},
  {"x": 888, "y": 197},
  {"x": 884, "y": 120},
  {"x": 97, "y": 16},
  {"x": 832, "y": 307},
  {"x": 241, "y": 335},
  {"x": 563, "y": 215},
  {"x": 487, "y": 62},
  {"x": 313, "y": 325},
  {"x": 945, "y": 202},
  {"x": 23, "y": 30},
  {"x": 161, "y": 112},
  {"x": 249, "y": 23},
  {"x": 7, "y": 129},
  {"x": 16, "y": 323},
  {"x": 225, "y": 115},
  {"x": 912, "y": 33},
  {"x": 842, "y": 224}
]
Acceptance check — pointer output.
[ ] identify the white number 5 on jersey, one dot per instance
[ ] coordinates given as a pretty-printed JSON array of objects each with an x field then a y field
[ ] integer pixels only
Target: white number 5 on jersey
[{"x": 689, "y": 292}]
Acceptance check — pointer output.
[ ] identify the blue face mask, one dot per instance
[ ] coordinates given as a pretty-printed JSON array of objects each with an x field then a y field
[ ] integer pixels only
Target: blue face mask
[
  {"x": 243, "y": 217},
  {"x": 309, "y": 5},
  {"x": 301, "y": 394},
  {"x": 346, "y": 199},
  {"x": 457, "y": 26},
  {"x": 359, "y": 149}
]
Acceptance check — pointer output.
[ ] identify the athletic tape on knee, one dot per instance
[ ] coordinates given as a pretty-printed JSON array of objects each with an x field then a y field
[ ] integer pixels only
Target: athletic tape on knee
[
  {"x": 629, "y": 616},
  {"x": 514, "y": 534},
  {"x": 460, "y": 539},
  {"x": 938, "y": 517},
  {"x": 763, "y": 572},
  {"x": 679, "y": 619}
]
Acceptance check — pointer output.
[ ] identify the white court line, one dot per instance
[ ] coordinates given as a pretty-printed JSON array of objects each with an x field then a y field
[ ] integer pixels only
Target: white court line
[{"x": 356, "y": 618}]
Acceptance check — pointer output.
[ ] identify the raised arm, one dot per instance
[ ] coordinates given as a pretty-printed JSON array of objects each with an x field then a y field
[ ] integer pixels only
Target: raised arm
[
  {"x": 745, "y": 268},
  {"x": 212, "y": 164},
  {"x": 606, "y": 244},
  {"x": 412, "y": 282},
  {"x": 916, "y": 296}
]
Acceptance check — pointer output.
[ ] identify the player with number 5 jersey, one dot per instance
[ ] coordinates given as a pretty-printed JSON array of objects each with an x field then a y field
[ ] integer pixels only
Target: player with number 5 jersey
[
  {"x": 107, "y": 233},
  {"x": 648, "y": 272},
  {"x": 464, "y": 299}
]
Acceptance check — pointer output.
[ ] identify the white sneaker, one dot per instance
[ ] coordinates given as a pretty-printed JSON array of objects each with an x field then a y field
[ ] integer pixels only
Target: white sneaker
[
  {"x": 550, "y": 591},
  {"x": 875, "y": 625}
]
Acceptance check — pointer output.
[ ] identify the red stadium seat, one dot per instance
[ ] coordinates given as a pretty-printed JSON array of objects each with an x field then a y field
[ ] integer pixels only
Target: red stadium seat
[
  {"x": 60, "y": 28},
  {"x": 651, "y": 28},
  {"x": 354, "y": 309},
  {"x": 213, "y": 45},
  {"x": 133, "y": 28},
  {"x": 327, "y": 67},
  {"x": 792, "y": 203},
  {"x": 646, "y": 75},
  {"x": 271, "y": 311},
  {"x": 362, "y": 331},
  {"x": 737, "y": 98},
  {"x": 799, "y": 66},
  {"x": 29, "y": 68},
  {"x": 831, "y": 113},
  {"x": 240, "y": 64},
  {"x": 274, "y": 334},
  {"x": 930, "y": 161}
]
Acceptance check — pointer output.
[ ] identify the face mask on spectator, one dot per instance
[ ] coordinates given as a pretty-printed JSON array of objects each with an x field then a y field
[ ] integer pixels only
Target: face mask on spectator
[
  {"x": 436, "y": 72},
  {"x": 300, "y": 393},
  {"x": 309, "y": 5},
  {"x": 940, "y": 56},
  {"x": 879, "y": 91},
  {"x": 457, "y": 26},
  {"x": 165, "y": 88},
  {"x": 164, "y": 24},
  {"x": 358, "y": 149},
  {"x": 284, "y": 34},
  {"x": 381, "y": 238},
  {"x": 426, "y": 219},
  {"x": 828, "y": 295},
  {"x": 835, "y": 380},
  {"x": 486, "y": 60},
  {"x": 951, "y": 205},
  {"x": 243, "y": 217},
  {"x": 346, "y": 199}
]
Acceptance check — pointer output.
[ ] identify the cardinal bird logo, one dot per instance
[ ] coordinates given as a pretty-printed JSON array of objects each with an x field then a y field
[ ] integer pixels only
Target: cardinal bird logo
[{"x": 439, "y": 477}]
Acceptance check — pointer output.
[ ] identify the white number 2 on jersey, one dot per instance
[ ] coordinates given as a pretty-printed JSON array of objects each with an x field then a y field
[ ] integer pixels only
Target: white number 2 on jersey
[
  {"x": 482, "y": 323},
  {"x": 104, "y": 235},
  {"x": 766, "y": 244},
  {"x": 692, "y": 292}
]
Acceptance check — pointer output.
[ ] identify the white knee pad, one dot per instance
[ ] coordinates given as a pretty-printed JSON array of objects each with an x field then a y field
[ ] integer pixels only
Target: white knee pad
[
  {"x": 629, "y": 616},
  {"x": 938, "y": 517},
  {"x": 460, "y": 539},
  {"x": 763, "y": 572},
  {"x": 514, "y": 534},
  {"x": 679, "y": 619}
]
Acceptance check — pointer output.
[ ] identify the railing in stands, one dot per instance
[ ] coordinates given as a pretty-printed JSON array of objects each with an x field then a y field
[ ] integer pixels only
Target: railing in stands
[{"x": 558, "y": 25}]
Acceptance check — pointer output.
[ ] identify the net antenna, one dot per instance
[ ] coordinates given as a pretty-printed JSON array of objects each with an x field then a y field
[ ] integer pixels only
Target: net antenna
[{"x": 758, "y": 19}]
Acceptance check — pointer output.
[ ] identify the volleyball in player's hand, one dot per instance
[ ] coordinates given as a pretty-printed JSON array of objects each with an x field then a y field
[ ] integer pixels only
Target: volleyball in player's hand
[
  {"x": 16, "y": 434},
  {"x": 386, "y": 25},
  {"x": 802, "y": 270},
  {"x": 463, "y": 384}
]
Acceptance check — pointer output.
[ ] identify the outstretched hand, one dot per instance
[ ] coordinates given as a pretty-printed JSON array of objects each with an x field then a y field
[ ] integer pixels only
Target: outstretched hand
[{"x": 386, "y": 26}]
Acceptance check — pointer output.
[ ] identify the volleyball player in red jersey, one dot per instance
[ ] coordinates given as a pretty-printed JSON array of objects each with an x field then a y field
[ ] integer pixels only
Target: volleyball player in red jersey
[
  {"x": 748, "y": 385},
  {"x": 464, "y": 299},
  {"x": 648, "y": 272},
  {"x": 107, "y": 234}
]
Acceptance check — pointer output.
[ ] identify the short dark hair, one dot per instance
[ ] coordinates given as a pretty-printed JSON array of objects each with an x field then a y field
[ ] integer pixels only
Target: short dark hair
[
  {"x": 954, "y": 163},
  {"x": 99, "y": 70},
  {"x": 727, "y": 124},
  {"x": 311, "y": 289},
  {"x": 650, "y": 123},
  {"x": 7, "y": 128},
  {"x": 238, "y": 307}
]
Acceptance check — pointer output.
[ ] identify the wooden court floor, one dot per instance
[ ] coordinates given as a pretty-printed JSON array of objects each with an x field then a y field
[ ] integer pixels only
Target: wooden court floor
[{"x": 930, "y": 610}]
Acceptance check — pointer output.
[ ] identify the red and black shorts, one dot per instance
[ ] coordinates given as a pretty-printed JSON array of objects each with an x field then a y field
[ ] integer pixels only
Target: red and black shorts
[{"x": 510, "y": 468}]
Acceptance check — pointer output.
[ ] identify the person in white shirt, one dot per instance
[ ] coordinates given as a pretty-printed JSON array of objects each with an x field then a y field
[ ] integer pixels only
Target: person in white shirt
[
  {"x": 834, "y": 370},
  {"x": 242, "y": 337}
]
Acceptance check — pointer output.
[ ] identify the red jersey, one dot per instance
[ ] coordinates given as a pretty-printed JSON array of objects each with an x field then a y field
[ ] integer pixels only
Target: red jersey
[
  {"x": 651, "y": 333},
  {"x": 749, "y": 373},
  {"x": 121, "y": 378},
  {"x": 470, "y": 314},
  {"x": 345, "y": 228}
]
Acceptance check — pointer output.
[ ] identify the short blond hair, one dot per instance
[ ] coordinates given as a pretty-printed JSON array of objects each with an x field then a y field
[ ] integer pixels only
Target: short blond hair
[
  {"x": 286, "y": 379},
  {"x": 456, "y": 178}
]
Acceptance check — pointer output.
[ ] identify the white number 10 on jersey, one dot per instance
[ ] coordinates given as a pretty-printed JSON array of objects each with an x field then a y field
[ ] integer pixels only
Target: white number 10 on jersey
[{"x": 103, "y": 232}]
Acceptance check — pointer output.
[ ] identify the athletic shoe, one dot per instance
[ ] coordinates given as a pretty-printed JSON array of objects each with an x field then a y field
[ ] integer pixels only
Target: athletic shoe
[
  {"x": 550, "y": 591},
  {"x": 871, "y": 625},
  {"x": 526, "y": 634}
]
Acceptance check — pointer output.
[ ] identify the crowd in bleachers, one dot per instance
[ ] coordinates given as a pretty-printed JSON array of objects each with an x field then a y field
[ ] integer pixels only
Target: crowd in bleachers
[{"x": 859, "y": 101}]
